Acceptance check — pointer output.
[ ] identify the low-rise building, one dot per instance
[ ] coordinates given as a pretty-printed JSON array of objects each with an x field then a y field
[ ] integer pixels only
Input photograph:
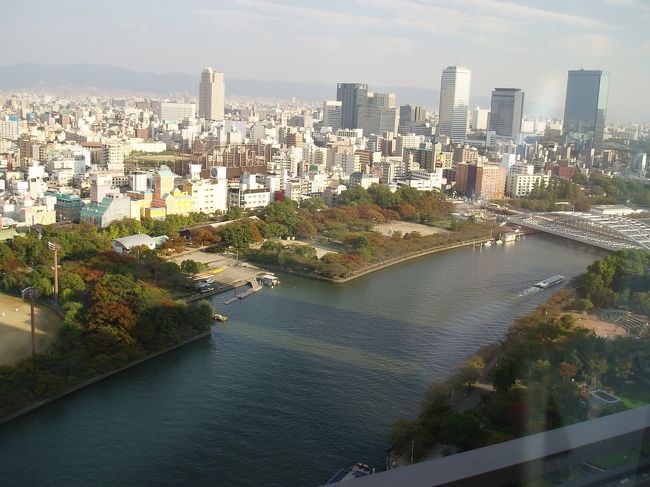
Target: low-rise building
[
  {"x": 208, "y": 195},
  {"x": 248, "y": 199},
  {"x": 521, "y": 185},
  {"x": 113, "y": 207},
  {"x": 363, "y": 179},
  {"x": 125, "y": 244},
  {"x": 68, "y": 207}
]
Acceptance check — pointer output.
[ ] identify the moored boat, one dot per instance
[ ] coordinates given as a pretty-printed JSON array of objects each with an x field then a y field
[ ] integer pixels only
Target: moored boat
[{"x": 551, "y": 281}]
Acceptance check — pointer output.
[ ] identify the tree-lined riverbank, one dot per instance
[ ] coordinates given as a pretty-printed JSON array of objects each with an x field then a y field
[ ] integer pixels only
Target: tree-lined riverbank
[
  {"x": 546, "y": 368},
  {"x": 242, "y": 406}
]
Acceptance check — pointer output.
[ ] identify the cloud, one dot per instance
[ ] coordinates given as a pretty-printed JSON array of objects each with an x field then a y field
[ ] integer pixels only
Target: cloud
[
  {"x": 586, "y": 45},
  {"x": 531, "y": 14},
  {"x": 634, "y": 4},
  {"x": 482, "y": 13}
]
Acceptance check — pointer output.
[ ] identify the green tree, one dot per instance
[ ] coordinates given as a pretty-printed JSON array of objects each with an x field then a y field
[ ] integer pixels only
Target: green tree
[
  {"x": 190, "y": 266},
  {"x": 233, "y": 213},
  {"x": 471, "y": 371},
  {"x": 383, "y": 197},
  {"x": 505, "y": 373},
  {"x": 241, "y": 234},
  {"x": 313, "y": 205},
  {"x": 284, "y": 212},
  {"x": 355, "y": 196},
  {"x": 273, "y": 230}
]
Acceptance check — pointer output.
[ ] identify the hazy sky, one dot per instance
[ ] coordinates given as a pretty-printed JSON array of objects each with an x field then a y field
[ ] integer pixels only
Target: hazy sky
[{"x": 525, "y": 44}]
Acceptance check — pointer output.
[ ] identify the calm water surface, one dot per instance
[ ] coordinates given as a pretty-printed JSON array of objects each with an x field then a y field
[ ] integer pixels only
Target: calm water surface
[{"x": 304, "y": 379}]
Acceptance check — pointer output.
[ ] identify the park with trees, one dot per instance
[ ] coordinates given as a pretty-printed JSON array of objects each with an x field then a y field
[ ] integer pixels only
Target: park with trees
[
  {"x": 543, "y": 371},
  {"x": 347, "y": 230},
  {"x": 582, "y": 192},
  {"x": 116, "y": 309}
]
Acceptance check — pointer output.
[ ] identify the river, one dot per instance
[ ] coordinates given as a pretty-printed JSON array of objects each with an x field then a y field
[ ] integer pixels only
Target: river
[{"x": 304, "y": 379}]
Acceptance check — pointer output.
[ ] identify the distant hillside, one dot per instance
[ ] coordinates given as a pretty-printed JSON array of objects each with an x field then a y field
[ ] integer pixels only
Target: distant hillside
[{"x": 103, "y": 78}]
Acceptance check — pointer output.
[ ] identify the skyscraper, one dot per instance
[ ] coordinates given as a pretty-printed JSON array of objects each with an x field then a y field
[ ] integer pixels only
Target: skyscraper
[
  {"x": 378, "y": 115},
  {"x": 454, "y": 102},
  {"x": 332, "y": 114},
  {"x": 410, "y": 118},
  {"x": 585, "y": 109},
  {"x": 506, "y": 112},
  {"x": 352, "y": 95},
  {"x": 211, "y": 95}
]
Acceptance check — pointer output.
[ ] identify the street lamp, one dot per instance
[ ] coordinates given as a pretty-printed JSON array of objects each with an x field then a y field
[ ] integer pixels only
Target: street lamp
[
  {"x": 31, "y": 293},
  {"x": 55, "y": 247}
]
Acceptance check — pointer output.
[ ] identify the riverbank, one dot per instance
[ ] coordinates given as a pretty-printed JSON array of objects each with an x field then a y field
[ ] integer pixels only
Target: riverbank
[
  {"x": 403, "y": 258},
  {"x": 235, "y": 408},
  {"x": 538, "y": 381},
  {"x": 378, "y": 265},
  {"x": 98, "y": 378}
]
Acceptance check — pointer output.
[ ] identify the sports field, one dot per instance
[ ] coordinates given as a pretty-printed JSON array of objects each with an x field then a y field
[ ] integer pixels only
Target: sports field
[{"x": 15, "y": 329}]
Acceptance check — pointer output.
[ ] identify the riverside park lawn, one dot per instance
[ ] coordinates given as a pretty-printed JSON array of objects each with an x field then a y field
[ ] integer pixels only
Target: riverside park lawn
[{"x": 15, "y": 329}]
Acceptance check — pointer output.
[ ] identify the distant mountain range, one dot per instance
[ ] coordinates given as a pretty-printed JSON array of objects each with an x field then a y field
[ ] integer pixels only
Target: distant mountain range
[{"x": 71, "y": 78}]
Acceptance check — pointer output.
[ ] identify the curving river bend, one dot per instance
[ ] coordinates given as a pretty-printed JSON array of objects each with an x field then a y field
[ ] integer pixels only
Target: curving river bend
[{"x": 304, "y": 379}]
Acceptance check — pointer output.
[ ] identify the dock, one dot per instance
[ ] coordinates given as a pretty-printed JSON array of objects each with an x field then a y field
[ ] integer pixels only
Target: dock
[{"x": 255, "y": 287}]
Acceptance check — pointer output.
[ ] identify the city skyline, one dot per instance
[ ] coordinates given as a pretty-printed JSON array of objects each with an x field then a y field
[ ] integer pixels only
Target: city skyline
[{"x": 536, "y": 45}]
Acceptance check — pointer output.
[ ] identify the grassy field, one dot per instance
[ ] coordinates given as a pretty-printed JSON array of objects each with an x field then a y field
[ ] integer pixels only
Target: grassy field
[{"x": 15, "y": 329}]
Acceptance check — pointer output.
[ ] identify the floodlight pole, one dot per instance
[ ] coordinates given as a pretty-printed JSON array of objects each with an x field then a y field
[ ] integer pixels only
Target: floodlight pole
[
  {"x": 31, "y": 293},
  {"x": 55, "y": 247},
  {"x": 33, "y": 323}
]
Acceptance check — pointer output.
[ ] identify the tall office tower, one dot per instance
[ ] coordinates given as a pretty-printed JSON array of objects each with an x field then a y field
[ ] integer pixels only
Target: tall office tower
[
  {"x": 411, "y": 114},
  {"x": 352, "y": 96},
  {"x": 454, "y": 102},
  {"x": 506, "y": 112},
  {"x": 411, "y": 118},
  {"x": 379, "y": 114},
  {"x": 332, "y": 114},
  {"x": 585, "y": 108},
  {"x": 479, "y": 119},
  {"x": 211, "y": 95}
]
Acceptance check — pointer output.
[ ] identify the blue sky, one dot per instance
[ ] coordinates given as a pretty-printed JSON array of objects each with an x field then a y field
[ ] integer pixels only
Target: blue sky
[{"x": 524, "y": 44}]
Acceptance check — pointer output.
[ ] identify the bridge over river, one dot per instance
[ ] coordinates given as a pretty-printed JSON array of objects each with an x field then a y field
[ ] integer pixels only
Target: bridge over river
[{"x": 605, "y": 232}]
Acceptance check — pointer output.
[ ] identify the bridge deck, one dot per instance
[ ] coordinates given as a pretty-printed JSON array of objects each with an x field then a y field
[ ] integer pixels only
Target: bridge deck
[{"x": 610, "y": 233}]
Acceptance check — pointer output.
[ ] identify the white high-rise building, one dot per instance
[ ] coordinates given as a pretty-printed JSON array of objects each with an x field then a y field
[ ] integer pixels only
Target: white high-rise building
[
  {"x": 479, "y": 120},
  {"x": 332, "y": 111},
  {"x": 176, "y": 112},
  {"x": 454, "y": 102},
  {"x": 211, "y": 95},
  {"x": 113, "y": 155},
  {"x": 349, "y": 162}
]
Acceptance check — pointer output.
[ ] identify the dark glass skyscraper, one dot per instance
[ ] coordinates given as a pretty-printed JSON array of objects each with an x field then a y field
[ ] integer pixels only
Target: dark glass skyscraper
[
  {"x": 506, "y": 112},
  {"x": 352, "y": 95},
  {"x": 585, "y": 109},
  {"x": 411, "y": 114}
]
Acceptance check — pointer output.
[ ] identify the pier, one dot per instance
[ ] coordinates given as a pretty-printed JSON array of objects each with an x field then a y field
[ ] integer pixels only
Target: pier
[{"x": 255, "y": 286}]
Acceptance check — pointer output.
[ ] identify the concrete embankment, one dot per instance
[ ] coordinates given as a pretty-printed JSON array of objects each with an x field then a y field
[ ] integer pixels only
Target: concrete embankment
[
  {"x": 379, "y": 265},
  {"x": 403, "y": 258},
  {"x": 98, "y": 378}
]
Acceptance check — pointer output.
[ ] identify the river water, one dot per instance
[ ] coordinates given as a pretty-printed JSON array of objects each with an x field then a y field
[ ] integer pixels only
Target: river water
[{"x": 304, "y": 379}]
